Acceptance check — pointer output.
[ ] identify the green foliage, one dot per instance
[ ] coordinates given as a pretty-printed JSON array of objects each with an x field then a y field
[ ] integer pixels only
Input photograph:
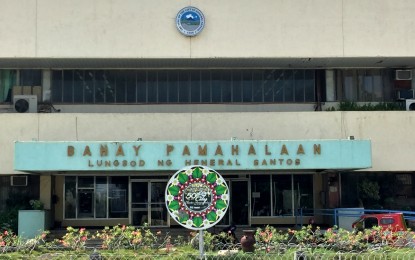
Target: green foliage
[
  {"x": 9, "y": 220},
  {"x": 353, "y": 106},
  {"x": 36, "y": 204},
  {"x": 74, "y": 238},
  {"x": 9, "y": 241},
  {"x": 369, "y": 190},
  {"x": 120, "y": 237},
  {"x": 269, "y": 238}
]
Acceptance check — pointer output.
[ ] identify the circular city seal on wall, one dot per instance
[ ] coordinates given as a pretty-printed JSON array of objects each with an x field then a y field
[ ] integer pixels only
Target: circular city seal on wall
[
  {"x": 197, "y": 197},
  {"x": 190, "y": 21}
]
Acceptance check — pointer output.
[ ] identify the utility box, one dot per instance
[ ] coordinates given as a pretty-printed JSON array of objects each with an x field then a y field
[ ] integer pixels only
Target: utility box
[{"x": 33, "y": 222}]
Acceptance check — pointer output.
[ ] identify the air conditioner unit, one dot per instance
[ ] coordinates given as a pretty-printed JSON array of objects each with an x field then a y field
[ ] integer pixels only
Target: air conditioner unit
[
  {"x": 405, "y": 94},
  {"x": 18, "y": 180},
  {"x": 25, "y": 103},
  {"x": 403, "y": 74},
  {"x": 410, "y": 105}
]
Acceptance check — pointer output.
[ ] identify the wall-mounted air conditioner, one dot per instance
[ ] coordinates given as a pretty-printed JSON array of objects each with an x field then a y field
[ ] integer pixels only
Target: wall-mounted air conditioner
[
  {"x": 410, "y": 105},
  {"x": 403, "y": 74},
  {"x": 18, "y": 180},
  {"x": 25, "y": 103}
]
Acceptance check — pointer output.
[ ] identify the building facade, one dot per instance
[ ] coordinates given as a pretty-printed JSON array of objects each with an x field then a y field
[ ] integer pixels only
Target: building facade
[{"x": 101, "y": 102}]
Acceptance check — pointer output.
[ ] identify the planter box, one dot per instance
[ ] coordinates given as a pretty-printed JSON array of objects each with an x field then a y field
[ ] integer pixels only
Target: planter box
[{"x": 33, "y": 222}]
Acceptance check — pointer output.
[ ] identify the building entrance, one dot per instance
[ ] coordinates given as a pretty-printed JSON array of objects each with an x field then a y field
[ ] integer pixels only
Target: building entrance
[{"x": 147, "y": 203}]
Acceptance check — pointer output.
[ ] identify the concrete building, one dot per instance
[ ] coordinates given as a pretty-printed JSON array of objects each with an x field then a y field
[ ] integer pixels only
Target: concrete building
[{"x": 101, "y": 101}]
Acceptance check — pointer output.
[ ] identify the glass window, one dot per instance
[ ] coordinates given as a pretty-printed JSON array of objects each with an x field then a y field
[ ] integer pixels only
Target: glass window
[
  {"x": 99, "y": 86},
  {"x": 309, "y": 86},
  {"x": 189, "y": 86},
  {"x": 7, "y": 81},
  {"x": 217, "y": 83},
  {"x": 282, "y": 195},
  {"x": 365, "y": 85},
  {"x": 85, "y": 197},
  {"x": 152, "y": 86},
  {"x": 195, "y": 86},
  {"x": 184, "y": 87},
  {"x": 101, "y": 196},
  {"x": 130, "y": 86},
  {"x": 237, "y": 86},
  {"x": 279, "y": 86},
  {"x": 257, "y": 86},
  {"x": 269, "y": 84},
  {"x": 30, "y": 77},
  {"x": 261, "y": 195},
  {"x": 109, "y": 78},
  {"x": 303, "y": 191},
  {"x": 78, "y": 86},
  {"x": 68, "y": 92},
  {"x": 163, "y": 84},
  {"x": 89, "y": 86},
  {"x": 96, "y": 197},
  {"x": 118, "y": 192},
  {"x": 70, "y": 197},
  {"x": 56, "y": 86},
  {"x": 173, "y": 87},
  {"x": 247, "y": 86},
  {"x": 205, "y": 86},
  {"x": 289, "y": 86},
  {"x": 121, "y": 88},
  {"x": 299, "y": 91},
  {"x": 85, "y": 182},
  {"x": 141, "y": 87}
]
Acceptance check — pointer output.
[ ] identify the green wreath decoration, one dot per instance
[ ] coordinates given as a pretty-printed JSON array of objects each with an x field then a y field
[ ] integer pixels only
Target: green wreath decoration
[{"x": 197, "y": 197}]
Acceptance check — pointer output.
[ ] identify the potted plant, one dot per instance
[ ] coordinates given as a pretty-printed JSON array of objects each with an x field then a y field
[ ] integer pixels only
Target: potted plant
[{"x": 33, "y": 222}]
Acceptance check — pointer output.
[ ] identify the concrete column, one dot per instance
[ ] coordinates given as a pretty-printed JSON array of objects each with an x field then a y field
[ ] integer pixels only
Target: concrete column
[{"x": 46, "y": 190}]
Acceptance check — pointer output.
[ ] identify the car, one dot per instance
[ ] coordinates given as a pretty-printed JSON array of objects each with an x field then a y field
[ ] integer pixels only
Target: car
[{"x": 388, "y": 221}]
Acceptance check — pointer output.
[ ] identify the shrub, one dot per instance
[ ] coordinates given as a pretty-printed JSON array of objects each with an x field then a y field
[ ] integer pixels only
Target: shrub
[
  {"x": 269, "y": 237},
  {"x": 75, "y": 239},
  {"x": 120, "y": 237}
]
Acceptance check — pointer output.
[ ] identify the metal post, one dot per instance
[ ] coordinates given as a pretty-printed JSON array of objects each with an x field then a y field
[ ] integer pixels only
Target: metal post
[{"x": 201, "y": 244}]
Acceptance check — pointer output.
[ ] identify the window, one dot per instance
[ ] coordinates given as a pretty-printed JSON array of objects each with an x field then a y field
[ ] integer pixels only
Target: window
[
  {"x": 96, "y": 197},
  {"x": 365, "y": 85},
  {"x": 7, "y": 81},
  {"x": 181, "y": 86},
  {"x": 387, "y": 221},
  {"x": 261, "y": 195},
  {"x": 289, "y": 193}
]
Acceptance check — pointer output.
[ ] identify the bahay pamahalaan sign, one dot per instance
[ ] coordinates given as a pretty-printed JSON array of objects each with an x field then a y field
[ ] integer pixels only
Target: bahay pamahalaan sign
[{"x": 197, "y": 197}]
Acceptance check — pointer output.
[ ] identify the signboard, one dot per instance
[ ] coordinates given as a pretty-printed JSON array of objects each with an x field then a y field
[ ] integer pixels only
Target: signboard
[
  {"x": 171, "y": 155},
  {"x": 197, "y": 197}
]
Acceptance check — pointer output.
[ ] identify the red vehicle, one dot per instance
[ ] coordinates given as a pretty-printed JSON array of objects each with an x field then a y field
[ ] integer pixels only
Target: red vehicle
[{"x": 388, "y": 221}]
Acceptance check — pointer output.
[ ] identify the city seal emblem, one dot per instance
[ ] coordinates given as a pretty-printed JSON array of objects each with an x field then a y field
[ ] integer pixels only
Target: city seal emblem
[{"x": 190, "y": 21}]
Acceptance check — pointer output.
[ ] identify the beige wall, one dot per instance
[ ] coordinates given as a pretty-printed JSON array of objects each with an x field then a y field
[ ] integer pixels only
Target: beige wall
[
  {"x": 391, "y": 132},
  {"x": 234, "y": 28}
]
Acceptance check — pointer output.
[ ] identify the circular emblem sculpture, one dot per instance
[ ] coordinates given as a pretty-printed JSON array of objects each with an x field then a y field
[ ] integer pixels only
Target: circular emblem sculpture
[
  {"x": 197, "y": 197},
  {"x": 190, "y": 21}
]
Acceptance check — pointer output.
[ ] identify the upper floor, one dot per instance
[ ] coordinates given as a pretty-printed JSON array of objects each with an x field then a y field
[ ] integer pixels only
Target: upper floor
[
  {"x": 200, "y": 90},
  {"x": 277, "y": 33}
]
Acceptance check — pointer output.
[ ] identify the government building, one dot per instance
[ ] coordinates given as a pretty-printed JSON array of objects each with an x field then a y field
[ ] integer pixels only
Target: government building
[{"x": 299, "y": 105}]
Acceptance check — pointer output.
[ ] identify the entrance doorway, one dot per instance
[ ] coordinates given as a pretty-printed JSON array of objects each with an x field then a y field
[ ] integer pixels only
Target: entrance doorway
[
  {"x": 147, "y": 203},
  {"x": 238, "y": 212}
]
